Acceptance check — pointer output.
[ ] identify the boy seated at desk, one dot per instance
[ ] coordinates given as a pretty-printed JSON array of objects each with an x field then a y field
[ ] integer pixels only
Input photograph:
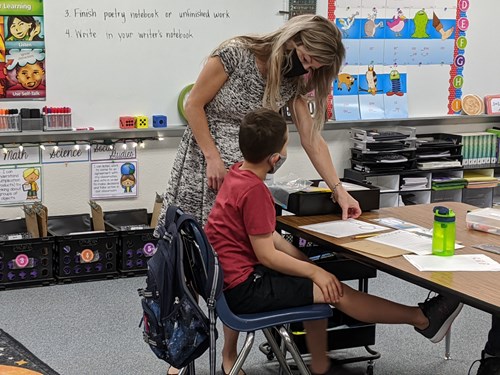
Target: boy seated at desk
[{"x": 264, "y": 272}]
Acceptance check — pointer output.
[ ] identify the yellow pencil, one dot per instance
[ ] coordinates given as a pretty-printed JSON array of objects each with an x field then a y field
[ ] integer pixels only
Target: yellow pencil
[{"x": 364, "y": 236}]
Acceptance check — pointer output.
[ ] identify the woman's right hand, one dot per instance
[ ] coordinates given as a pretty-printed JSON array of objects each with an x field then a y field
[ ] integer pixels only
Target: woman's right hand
[{"x": 216, "y": 171}]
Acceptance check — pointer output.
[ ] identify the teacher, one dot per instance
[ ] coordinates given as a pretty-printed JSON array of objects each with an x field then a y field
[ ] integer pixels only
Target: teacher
[{"x": 244, "y": 73}]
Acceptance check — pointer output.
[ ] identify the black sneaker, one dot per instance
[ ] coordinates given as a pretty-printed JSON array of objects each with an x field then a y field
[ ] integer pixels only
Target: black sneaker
[
  {"x": 489, "y": 366},
  {"x": 441, "y": 311}
]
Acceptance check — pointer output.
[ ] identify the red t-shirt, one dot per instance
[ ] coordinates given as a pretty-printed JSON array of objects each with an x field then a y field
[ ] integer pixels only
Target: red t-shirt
[{"x": 244, "y": 206}]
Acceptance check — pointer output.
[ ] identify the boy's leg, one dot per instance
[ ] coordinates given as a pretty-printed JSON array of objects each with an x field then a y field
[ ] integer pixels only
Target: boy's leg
[
  {"x": 316, "y": 340},
  {"x": 230, "y": 350},
  {"x": 372, "y": 309},
  {"x": 431, "y": 318},
  {"x": 493, "y": 345}
]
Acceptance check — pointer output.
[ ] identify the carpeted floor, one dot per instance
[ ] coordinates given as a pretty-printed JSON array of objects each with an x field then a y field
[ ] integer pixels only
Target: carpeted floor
[{"x": 16, "y": 359}]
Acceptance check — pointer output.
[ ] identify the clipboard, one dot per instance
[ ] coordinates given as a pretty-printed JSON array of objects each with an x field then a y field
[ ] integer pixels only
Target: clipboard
[{"x": 374, "y": 248}]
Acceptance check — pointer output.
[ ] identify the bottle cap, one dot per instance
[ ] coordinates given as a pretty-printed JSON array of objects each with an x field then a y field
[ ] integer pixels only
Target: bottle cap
[{"x": 443, "y": 214}]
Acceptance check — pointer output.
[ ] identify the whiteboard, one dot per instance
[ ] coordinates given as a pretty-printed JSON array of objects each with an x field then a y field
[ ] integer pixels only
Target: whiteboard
[
  {"x": 113, "y": 71},
  {"x": 107, "y": 59}
]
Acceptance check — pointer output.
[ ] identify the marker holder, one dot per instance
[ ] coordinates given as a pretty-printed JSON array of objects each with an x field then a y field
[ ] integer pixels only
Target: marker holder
[
  {"x": 10, "y": 123},
  {"x": 57, "y": 121}
]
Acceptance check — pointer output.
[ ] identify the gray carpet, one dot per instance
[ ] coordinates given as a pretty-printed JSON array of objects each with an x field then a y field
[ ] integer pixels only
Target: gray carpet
[{"x": 92, "y": 328}]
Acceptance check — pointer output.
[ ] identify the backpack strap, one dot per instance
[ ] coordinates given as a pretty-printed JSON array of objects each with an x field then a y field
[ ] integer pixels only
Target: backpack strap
[
  {"x": 214, "y": 280},
  {"x": 171, "y": 215}
]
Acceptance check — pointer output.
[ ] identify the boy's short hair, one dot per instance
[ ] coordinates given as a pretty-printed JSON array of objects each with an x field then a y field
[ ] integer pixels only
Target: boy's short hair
[{"x": 263, "y": 132}]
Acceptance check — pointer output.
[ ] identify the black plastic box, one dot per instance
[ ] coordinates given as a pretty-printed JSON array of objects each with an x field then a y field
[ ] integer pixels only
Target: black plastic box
[
  {"x": 320, "y": 203},
  {"x": 82, "y": 254},
  {"x": 24, "y": 261},
  {"x": 136, "y": 243}
]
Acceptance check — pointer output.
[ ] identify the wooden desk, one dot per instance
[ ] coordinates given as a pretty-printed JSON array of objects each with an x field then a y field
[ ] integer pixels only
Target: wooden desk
[{"x": 477, "y": 289}]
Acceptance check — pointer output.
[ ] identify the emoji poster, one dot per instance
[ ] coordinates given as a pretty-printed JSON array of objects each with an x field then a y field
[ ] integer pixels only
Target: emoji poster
[{"x": 22, "y": 50}]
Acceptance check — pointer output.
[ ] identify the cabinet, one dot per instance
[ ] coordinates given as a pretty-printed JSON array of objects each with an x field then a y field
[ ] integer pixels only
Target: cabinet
[
  {"x": 394, "y": 192},
  {"x": 431, "y": 171}
]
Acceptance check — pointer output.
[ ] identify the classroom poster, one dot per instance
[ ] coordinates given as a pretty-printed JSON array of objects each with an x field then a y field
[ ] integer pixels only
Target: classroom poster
[
  {"x": 20, "y": 185},
  {"x": 22, "y": 50},
  {"x": 116, "y": 179},
  {"x": 382, "y": 37}
]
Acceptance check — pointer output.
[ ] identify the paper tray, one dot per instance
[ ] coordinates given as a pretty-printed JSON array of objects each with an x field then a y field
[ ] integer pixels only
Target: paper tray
[{"x": 320, "y": 203}]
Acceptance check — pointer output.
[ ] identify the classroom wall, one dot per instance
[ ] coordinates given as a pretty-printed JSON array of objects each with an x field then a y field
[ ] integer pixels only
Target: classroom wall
[{"x": 67, "y": 186}]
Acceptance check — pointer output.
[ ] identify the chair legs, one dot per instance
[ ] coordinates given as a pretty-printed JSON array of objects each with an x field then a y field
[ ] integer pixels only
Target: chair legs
[
  {"x": 278, "y": 351},
  {"x": 292, "y": 348},
  {"x": 243, "y": 354}
]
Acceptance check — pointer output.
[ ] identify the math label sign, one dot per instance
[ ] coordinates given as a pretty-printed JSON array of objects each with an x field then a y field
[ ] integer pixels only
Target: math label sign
[
  {"x": 116, "y": 179},
  {"x": 16, "y": 156}
]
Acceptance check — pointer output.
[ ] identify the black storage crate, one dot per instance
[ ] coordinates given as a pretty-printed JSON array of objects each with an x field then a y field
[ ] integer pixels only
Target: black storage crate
[
  {"x": 136, "y": 242},
  {"x": 81, "y": 255},
  {"x": 320, "y": 203},
  {"x": 24, "y": 261}
]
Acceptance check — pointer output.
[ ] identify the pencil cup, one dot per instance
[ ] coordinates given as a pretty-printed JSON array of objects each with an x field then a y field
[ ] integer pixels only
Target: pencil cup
[{"x": 443, "y": 234}]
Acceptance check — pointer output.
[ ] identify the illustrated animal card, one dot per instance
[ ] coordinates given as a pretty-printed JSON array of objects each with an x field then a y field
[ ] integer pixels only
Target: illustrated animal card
[
  {"x": 397, "y": 32},
  {"x": 349, "y": 23},
  {"x": 431, "y": 35},
  {"x": 345, "y": 94},
  {"x": 372, "y": 36},
  {"x": 395, "y": 92},
  {"x": 371, "y": 92}
]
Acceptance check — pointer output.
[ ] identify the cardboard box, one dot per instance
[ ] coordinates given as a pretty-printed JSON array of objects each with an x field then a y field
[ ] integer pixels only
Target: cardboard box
[{"x": 320, "y": 203}]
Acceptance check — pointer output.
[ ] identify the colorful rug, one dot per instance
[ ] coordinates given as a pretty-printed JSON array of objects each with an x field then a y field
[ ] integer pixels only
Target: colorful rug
[{"x": 15, "y": 359}]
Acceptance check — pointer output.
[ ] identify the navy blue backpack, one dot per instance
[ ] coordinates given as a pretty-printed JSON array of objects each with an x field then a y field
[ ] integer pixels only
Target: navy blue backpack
[{"x": 174, "y": 326}]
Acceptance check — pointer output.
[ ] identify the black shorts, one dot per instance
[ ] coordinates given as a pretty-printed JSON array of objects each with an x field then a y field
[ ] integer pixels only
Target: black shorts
[{"x": 268, "y": 290}]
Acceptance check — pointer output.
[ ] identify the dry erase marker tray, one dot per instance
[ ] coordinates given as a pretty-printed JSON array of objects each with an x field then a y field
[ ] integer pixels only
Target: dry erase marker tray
[
  {"x": 320, "y": 203},
  {"x": 9, "y": 120},
  {"x": 56, "y": 118}
]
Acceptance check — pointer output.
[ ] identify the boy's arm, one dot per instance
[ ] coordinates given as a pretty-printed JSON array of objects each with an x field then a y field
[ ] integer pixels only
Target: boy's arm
[
  {"x": 270, "y": 257},
  {"x": 283, "y": 245}
]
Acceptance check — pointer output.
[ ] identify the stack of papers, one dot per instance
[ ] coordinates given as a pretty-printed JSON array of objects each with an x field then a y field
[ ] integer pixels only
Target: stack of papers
[
  {"x": 414, "y": 183},
  {"x": 477, "y": 180},
  {"x": 448, "y": 183}
]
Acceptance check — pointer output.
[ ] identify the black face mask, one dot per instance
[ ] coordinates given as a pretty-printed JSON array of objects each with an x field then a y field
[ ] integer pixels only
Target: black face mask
[{"x": 296, "y": 68}]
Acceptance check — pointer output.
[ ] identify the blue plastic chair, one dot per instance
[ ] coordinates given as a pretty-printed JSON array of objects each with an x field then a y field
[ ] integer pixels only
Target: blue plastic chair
[{"x": 199, "y": 256}]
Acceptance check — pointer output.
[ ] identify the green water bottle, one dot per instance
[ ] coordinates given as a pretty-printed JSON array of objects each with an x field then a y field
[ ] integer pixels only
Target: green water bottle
[{"x": 443, "y": 234}]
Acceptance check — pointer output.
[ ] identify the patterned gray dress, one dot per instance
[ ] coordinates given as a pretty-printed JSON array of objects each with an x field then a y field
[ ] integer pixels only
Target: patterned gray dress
[{"x": 242, "y": 92}]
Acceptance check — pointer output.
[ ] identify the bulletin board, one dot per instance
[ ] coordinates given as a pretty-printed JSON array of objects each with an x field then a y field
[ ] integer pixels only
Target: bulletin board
[{"x": 106, "y": 59}]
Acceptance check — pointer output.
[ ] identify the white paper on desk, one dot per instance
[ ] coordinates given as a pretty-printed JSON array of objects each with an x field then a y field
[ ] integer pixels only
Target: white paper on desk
[
  {"x": 405, "y": 240},
  {"x": 463, "y": 262},
  {"x": 343, "y": 228}
]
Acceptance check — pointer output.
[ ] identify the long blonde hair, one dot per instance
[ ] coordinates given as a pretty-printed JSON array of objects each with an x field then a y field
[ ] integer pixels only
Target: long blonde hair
[{"x": 323, "y": 42}]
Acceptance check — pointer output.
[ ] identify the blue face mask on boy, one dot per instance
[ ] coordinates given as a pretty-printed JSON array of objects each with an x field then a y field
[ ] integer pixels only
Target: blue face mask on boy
[
  {"x": 296, "y": 69},
  {"x": 278, "y": 164}
]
